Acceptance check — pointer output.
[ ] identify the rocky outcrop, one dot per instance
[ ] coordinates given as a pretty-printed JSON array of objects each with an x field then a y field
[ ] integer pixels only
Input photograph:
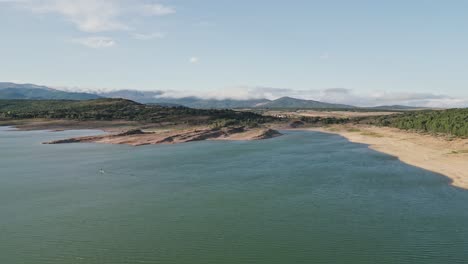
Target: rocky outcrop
[
  {"x": 131, "y": 132},
  {"x": 64, "y": 141},
  {"x": 296, "y": 124},
  {"x": 268, "y": 133}
]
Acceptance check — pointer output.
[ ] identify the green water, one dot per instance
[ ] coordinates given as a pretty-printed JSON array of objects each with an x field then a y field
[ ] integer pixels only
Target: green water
[{"x": 301, "y": 198}]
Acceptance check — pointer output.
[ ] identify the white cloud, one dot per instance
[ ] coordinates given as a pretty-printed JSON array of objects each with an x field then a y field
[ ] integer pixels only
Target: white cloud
[
  {"x": 141, "y": 36},
  {"x": 324, "y": 56},
  {"x": 156, "y": 10},
  {"x": 95, "y": 42},
  {"x": 240, "y": 93},
  {"x": 236, "y": 94},
  {"x": 412, "y": 99},
  {"x": 96, "y": 15},
  {"x": 87, "y": 15},
  {"x": 194, "y": 60},
  {"x": 331, "y": 95}
]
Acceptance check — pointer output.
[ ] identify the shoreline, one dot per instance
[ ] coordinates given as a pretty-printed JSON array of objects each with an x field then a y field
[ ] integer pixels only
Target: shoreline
[
  {"x": 439, "y": 154},
  {"x": 141, "y": 133},
  {"x": 448, "y": 157}
]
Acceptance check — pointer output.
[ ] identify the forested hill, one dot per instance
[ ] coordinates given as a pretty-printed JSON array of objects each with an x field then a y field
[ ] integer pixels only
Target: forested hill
[
  {"x": 118, "y": 109},
  {"x": 451, "y": 121}
]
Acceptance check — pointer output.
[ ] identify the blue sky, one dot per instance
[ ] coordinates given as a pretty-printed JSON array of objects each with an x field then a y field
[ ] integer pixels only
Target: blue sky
[{"x": 403, "y": 51}]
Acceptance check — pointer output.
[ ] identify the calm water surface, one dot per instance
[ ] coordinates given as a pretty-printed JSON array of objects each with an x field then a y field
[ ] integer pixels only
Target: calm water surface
[{"x": 301, "y": 198}]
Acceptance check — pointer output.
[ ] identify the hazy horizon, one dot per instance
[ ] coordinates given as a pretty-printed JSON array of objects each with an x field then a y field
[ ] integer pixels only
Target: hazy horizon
[{"x": 332, "y": 95}]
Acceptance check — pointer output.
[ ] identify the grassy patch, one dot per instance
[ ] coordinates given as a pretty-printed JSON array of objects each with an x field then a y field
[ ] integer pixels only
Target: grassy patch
[
  {"x": 353, "y": 129},
  {"x": 372, "y": 134},
  {"x": 333, "y": 129},
  {"x": 461, "y": 151}
]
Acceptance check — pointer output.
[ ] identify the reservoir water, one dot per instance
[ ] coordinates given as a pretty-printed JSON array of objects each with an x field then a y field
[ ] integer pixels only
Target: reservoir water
[{"x": 301, "y": 198}]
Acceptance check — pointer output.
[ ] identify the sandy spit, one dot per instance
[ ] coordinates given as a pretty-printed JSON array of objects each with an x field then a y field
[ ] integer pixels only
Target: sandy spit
[{"x": 138, "y": 137}]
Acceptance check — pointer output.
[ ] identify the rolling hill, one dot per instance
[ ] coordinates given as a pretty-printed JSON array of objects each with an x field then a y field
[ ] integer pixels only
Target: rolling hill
[
  {"x": 396, "y": 107},
  {"x": 157, "y": 97},
  {"x": 107, "y": 109},
  {"x": 289, "y": 102},
  {"x": 36, "y": 92}
]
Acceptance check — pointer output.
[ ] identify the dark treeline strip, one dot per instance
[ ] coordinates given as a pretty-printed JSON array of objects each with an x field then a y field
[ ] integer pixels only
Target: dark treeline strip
[
  {"x": 316, "y": 120},
  {"x": 452, "y": 121},
  {"x": 120, "y": 109}
]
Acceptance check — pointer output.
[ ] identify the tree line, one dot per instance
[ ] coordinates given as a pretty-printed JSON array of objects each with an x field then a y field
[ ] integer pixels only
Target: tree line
[
  {"x": 121, "y": 109},
  {"x": 451, "y": 121}
]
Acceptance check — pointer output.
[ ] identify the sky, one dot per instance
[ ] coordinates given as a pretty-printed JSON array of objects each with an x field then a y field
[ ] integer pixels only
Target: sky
[{"x": 362, "y": 52}]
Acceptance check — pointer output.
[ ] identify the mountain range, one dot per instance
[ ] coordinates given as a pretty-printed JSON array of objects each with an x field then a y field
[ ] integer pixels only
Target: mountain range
[
  {"x": 10, "y": 90},
  {"x": 30, "y": 91},
  {"x": 157, "y": 97}
]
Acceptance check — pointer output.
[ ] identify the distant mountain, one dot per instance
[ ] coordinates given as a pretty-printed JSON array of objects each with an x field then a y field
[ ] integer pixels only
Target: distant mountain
[
  {"x": 289, "y": 102},
  {"x": 196, "y": 102},
  {"x": 157, "y": 97},
  {"x": 31, "y": 91},
  {"x": 395, "y": 107},
  {"x": 36, "y": 92}
]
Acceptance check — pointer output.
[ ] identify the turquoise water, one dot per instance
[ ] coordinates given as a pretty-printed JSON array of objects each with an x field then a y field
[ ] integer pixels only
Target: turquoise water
[{"x": 302, "y": 198}]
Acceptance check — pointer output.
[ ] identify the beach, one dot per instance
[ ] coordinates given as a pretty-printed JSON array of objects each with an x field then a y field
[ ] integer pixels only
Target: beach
[{"x": 447, "y": 156}]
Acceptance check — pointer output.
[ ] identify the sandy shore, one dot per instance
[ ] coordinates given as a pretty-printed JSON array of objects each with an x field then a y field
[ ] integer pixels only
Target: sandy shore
[{"x": 438, "y": 154}]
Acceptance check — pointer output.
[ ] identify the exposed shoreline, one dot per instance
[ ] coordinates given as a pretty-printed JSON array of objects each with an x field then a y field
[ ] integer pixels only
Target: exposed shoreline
[
  {"x": 441, "y": 155},
  {"x": 141, "y": 133}
]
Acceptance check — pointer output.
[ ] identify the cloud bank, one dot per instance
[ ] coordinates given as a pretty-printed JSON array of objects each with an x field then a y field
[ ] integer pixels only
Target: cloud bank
[{"x": 331, "y": 95}]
